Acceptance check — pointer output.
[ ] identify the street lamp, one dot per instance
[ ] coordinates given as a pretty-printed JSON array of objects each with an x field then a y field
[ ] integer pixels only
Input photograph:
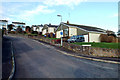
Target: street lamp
[{"x": 61, "y": 29}]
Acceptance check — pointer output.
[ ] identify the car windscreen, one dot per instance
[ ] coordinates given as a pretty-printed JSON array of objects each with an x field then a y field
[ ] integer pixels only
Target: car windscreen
[{"x": 73, "y": 37}]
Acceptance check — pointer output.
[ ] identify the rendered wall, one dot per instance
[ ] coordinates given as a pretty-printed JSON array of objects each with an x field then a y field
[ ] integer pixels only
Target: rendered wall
[{"x": 94, "y": 37}]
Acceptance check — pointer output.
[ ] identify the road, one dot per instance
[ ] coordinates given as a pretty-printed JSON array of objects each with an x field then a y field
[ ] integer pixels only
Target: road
[{"x": 34, "y": 60}]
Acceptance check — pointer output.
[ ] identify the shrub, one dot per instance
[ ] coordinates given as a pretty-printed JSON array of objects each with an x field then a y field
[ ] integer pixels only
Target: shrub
[
  {"x": 34, "y": 32},
  {"x": 40, "y": 33},
  {"x": 52, "y": 35},
  {"x": 23, "y": 32},
  {"x": 13, "y": 32},
  {"x": 119, "y": 39},
  {"x": 116, "y": 40},
  {"x": 104, "y": 38},
  {"x": 47, "y": 34},
  {"x": 111, "y": 39},
  {"x": 19, "y": 30},
  {"x": 58, "y": 41}
]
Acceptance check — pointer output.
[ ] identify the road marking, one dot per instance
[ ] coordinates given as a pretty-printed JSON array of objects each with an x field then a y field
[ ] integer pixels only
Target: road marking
[{"x": 100, "y": 60}]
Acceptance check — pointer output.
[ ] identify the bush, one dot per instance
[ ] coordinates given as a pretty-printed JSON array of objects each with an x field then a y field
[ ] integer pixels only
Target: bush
[
  {"x": 104, "y": 38},
  {"x": 13, "y": 32},
  {"x": 119, "y": 39},
  {"x": 40, "y": 33},
  {"x": 47, "y": 35},
  {"x": 58, "y": 41},
  {"x": 52, "y": 35},
  {"x": 111, "y": 39},
  {"x": 23, "y": 32},
  {"x": 116, "y": 40},
  {"x": 34, "y": 32}
]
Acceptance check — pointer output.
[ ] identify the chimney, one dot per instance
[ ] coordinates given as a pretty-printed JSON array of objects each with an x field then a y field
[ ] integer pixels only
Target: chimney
[{"x": 67, "y": 22}]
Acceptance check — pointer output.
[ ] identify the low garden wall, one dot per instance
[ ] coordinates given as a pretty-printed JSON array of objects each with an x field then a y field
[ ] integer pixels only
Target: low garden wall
[
  {"x": 93, "y": 51},
  {"x": 50, "y": 41}
]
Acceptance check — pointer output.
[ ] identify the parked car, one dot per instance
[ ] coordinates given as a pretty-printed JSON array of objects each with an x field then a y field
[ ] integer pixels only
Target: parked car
[{"x": 78, "y": 38}]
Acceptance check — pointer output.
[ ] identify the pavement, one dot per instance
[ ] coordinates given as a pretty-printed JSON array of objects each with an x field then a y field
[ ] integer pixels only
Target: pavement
[
  {"x": 6, "y": 58},
  {"x": 35, "y": 60}
]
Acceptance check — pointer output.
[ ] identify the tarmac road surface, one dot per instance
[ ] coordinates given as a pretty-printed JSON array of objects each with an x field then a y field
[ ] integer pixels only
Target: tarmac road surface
[{"x": 34, "y": 60}]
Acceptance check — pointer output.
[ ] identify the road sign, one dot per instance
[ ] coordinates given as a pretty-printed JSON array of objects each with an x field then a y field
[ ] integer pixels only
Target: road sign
[{"x": 61, "y": 33}]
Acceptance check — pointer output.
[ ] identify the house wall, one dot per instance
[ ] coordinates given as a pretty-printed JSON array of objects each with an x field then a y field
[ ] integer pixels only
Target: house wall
[
  {"x": 58, "y": 34},
  {"x": 3, "y": 25},
  {"x": 44, "y": 31},
  {"x": 40, "y": 29},
  {"x": 51, "y": 29},
  {"x": 72, "y": 31},
  {"x": 34, "y": 28},
  {"x": 86, "y": 38},
  {"x": 94, "y": 37}
]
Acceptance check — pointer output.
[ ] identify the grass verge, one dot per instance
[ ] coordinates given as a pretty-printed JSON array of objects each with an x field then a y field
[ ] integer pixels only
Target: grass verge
[{"x": 101, "y": 45}]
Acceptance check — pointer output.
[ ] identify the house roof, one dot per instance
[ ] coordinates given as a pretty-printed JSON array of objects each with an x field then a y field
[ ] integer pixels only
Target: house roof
[
  {"x": 86, "y": 28},
  {"x": 49, "y": 25},
  {"x": 18, "y": 23},
  {"x": 37, "y": 25},
  {"x": 3, "y": 20}
]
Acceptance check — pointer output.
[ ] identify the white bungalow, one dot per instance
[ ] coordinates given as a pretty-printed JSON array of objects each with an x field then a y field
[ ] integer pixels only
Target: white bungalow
[
  {"x": 91, "y": 33},
  {"x": 49, "y": 28}
]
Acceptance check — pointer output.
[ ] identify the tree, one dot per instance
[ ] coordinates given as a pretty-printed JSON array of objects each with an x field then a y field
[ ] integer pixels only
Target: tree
[
  {"x": 19, "y": 30},
  {"x": 28, "y": 29},
  {"x": 37, "y": 28},
  {"x": 111, "y": 33},
  {"x": 118, "y": 32},
  {"x": 10, "y": 27}
]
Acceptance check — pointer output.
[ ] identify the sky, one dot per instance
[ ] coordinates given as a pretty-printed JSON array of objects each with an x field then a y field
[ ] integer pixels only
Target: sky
[{"x": 102, "y": 14}]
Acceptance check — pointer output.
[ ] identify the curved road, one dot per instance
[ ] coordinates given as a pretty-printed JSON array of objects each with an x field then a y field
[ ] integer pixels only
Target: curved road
[{"x": 34, "y": 60}]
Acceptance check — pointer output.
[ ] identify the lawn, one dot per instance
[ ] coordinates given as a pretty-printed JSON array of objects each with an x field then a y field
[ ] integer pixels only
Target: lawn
[{"x": 101, "y": 45}]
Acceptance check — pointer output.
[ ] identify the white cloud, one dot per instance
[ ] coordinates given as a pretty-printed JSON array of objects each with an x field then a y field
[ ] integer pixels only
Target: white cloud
[
  {"x": 29, "y": 14},
  {"x": 114, "y": 15},
  {"x": 39, "y": 9},
  {"x": 59, "y": 0},
  {"x": 69, "y": 3},
  {"x": 18, "y": 14}
]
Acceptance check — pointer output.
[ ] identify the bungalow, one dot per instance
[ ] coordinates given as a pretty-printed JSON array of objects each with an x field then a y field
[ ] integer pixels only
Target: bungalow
[
  {"x": 49, "y": 28},
  {"x": 37, "y": 28},
  {"x": 91, "y": 34},
  {"x": 21, "y": 24}
]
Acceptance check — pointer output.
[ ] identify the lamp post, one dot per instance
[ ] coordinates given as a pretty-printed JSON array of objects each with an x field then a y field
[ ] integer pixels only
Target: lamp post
[{"x": 61, "y": 28}]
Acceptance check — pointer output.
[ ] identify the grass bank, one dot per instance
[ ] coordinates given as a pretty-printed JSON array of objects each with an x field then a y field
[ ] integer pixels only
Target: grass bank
[{"x": 101, "y": 45}]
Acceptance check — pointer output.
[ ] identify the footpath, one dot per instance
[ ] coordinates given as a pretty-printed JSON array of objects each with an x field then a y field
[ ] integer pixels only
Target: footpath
[{"x": 6, "y": 58}]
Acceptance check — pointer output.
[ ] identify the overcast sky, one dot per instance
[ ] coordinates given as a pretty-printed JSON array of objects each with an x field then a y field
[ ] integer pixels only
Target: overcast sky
[{"x": 102, "y": 14}]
